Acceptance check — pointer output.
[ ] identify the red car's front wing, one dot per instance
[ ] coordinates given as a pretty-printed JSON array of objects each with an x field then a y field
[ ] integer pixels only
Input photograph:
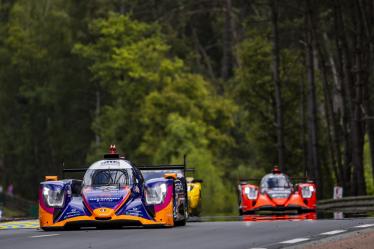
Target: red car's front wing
[{"x": 263, "y": 202}]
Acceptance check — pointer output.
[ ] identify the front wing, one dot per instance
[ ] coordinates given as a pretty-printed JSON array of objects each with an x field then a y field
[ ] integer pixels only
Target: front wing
[
  {"x": 265, "y": 203},
  {"x": 131, "y": 212}
]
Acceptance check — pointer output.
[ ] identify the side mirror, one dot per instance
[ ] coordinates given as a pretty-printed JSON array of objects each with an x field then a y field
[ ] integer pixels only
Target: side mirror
[
  {"x": 50, "y": 178},
  {"x": 170, "y": 176}
]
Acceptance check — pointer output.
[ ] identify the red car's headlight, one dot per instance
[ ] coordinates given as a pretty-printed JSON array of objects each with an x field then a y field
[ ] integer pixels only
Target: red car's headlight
[
  {"x": 251, "y": 193},
  {"x": 307, "y": 191}
]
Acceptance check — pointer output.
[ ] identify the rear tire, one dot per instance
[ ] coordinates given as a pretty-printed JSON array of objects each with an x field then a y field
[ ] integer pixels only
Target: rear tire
[
  {"x": 184, "y": 220},
  {"x": 180, "y": 223}
]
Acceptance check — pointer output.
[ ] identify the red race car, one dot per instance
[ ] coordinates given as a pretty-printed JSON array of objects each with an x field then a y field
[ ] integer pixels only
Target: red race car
[{"x": 276, "y": 193}]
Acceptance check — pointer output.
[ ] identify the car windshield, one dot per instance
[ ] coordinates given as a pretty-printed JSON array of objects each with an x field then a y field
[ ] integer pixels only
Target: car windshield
[
  {"x": 271, "y": 181},
  {"x": 104, "y": 177}
]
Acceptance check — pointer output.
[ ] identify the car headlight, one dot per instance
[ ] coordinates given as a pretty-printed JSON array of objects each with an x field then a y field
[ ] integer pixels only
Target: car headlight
[
  {"x": 307, "y": 191},
  {"x": 251, "y": 193},
  {"x": 54, "y": 197},
  {"x": 156, "y": 194}
]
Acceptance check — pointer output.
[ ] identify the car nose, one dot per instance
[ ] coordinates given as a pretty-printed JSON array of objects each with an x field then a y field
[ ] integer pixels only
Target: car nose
[{"x": 103, "y": 213}]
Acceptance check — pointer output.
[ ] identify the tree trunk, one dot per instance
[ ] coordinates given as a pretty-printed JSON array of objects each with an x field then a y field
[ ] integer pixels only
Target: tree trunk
[
  {"x": 370, "y": 127},
  {"x": 204, "y": 55},
  {"x": 277, "y": 84},
  {"x": 227, "y": 57},
  {"x": 330, "y": 120},
  {"x": 358, "y": 127},
  {"x": 345, "y": 80},
  {"x": 303, "y": 128},
  {"x": 328, "y": 103},
  {"x": 313, "y": 157},
  {"x": 336, "y": 109},
  {"x": 366, "y": 10}
]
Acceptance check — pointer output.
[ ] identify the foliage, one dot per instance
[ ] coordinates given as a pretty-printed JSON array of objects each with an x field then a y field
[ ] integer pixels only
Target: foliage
[
  {"x": 39, "y": 77},
  {"x": 164, "y": 111},
  {"x": 368, "y": 170},
  {"x": 253, "y": 88},
  {"x": 168, "y": 78}
]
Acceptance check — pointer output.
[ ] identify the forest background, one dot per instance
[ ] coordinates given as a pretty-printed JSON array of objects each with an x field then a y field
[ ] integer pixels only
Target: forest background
[{"x": 236, "y": 85}]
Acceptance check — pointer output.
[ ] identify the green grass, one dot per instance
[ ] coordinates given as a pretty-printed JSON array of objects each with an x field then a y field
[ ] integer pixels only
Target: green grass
[
  {"x": 368, "y": 169},
  {"x": 11, "y": 213}
]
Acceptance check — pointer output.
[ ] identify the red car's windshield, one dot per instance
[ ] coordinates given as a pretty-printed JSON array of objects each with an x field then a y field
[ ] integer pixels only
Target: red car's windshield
[{"x": 272, "y": 181}]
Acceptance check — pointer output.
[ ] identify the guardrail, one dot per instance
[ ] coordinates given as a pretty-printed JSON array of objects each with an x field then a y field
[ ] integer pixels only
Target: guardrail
[{"x": 352, "y": 204}]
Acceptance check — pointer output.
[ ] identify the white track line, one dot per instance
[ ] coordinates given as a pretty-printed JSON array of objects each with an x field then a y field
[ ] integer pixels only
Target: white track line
[
  {"x": 365, "y": 225},
  {"x": 293, "y": 241},
  {"x": 333, "y": 232},
  {"x": 45, "y": 235}
]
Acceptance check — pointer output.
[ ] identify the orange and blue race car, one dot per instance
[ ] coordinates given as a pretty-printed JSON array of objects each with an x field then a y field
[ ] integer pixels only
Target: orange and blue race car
[
  {"x": 276, "y": 193},
  {"x": 115, "y": 193}
]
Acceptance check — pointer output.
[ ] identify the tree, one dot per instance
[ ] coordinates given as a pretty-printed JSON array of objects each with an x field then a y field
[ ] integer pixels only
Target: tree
[
  {"x": 156, "y": 110},
  {"x": 39, "y": 78},
  {"x": 277, "y": 83}
]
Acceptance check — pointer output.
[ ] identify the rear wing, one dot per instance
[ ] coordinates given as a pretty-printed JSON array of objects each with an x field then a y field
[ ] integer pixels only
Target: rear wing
[
  {"x": 191, "y": 178},
  {"x": 294, "y": 180},
  {"x": 162, "y": 168},
  {"x": 151, "y": 167},
  {"x": 75, "y": 170},
  {"x": 150, "y": 171},
  {"x": 297, "y": 180},
  {"x": 249, "y": 180}
]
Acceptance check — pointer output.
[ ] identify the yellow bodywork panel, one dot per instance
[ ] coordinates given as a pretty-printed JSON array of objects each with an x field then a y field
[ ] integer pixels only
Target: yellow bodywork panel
[{"x": 194, "y": 197}]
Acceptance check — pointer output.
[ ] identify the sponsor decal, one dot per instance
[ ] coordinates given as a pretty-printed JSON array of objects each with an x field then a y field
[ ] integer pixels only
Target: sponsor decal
[
  {"x": 72, "y": 213},
  {"x": 178, "y": 186},
  {"x": 134, "y": 211},
  {"x": 104, "y": 199},
  {"x": 108, "y": 162}
]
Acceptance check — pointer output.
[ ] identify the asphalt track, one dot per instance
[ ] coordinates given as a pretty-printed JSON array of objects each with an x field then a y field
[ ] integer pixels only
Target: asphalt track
[{"x": 230, "y": 234}]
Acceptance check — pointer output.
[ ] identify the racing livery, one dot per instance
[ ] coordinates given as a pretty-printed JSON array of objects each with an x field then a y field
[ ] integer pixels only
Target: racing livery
[
  {"x": 276, "y": 193},
  {"x": 194, "y": 196},
  {"x": 114, "y": 192}
]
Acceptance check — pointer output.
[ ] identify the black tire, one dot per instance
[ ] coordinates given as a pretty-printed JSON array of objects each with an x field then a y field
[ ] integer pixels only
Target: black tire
[
  {"x": 185, "y": 215},
  {"x": 180, "y": 223},
  {"x": 184, "y": 220}
]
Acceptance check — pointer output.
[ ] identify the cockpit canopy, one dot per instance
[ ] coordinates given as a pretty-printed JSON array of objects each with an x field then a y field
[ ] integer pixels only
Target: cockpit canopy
[
  {"x": 276, "y": 185},
  {"x": 276, "y": 181},
  {"x": 104, "y": 177},
  {"x": 109, "y": 172}
]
